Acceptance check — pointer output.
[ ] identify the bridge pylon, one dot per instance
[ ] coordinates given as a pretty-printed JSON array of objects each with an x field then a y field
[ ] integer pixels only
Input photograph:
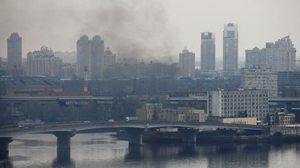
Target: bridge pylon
[
  {"x": 63, "y": 146},
  {"x": 188, "y": 135},
  {"x": 4, "y": 151},
  {"x": 135, "y": 135}
]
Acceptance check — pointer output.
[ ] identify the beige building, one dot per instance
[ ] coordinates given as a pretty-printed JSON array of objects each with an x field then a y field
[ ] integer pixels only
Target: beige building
[
  {"x": 187, "y": 63},
  {"x": 43, "y": 63},
  {"x": 156, "y": 112}
]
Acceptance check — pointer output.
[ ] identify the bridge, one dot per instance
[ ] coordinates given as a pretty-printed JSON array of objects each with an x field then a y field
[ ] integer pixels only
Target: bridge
[
  {"x": 134, "y": 129},
  {"x": 93, "y": 98}
]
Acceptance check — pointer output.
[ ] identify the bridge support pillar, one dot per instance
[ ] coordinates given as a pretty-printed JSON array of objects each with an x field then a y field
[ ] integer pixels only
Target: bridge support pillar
[
  {"x": 63, "y": 146},
  {"x": 188, "y": 135},
  {"x": 4, "y": 151},
  {"x": 135, "y": 136}
]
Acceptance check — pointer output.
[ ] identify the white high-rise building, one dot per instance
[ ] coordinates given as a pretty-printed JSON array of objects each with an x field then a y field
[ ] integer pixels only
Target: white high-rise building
[
  {"x": 255, "y": 103},
  {"x": 259, "y": 77},
  {"x": 279, "y": 56},
  {"x": 208, "y": 53},
  {"x": 230, "y": 49}
]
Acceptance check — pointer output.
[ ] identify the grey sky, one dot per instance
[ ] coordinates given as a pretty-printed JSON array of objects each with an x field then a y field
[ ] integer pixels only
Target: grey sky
[{"x": 144, "y": 28}]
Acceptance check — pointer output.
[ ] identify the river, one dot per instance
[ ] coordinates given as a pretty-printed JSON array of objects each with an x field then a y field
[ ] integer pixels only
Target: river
[{"x": 104, "y": 150}]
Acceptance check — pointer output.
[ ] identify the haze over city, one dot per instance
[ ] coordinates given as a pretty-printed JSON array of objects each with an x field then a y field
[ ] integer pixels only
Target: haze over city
[{"x": 151, "y": 30}]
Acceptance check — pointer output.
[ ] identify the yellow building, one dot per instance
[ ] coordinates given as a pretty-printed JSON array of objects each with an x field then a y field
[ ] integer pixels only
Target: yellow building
[
  {"x": 279, "y": 118},
  {"x": 246, "y": 120}
]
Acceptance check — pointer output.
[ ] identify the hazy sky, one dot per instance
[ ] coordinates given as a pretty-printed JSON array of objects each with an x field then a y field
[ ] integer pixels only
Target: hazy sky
[{"x": 155, "y": 29}]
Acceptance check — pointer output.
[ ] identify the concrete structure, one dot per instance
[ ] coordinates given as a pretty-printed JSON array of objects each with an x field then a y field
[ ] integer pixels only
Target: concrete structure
[
  {"x": 4, "y": 151},
  {"x": 187, "y": 63},
  {"x": 44, "y": 63},
  {"x": 208, "y": 52},
  {"x": 109, "y": 58},
  {"x": 279, "y": 56},
  {"x": 230, "y": 49},
  {"x": 255, "y": 103},
  {"x": 63, "y": 146},
  {"x": 90, "y": 54},
  {"x": 14, "y": 53},
  {"x": 259, "y": 77},
  {"x": 29, "y": 86}
]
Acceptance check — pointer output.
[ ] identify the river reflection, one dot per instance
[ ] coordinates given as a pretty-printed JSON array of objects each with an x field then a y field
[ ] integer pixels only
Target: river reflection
[{"x": 104, "y": 150}]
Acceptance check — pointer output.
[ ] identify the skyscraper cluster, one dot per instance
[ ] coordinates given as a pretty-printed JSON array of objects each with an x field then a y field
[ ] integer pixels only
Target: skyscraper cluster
[{"x": 279, "y": 56}]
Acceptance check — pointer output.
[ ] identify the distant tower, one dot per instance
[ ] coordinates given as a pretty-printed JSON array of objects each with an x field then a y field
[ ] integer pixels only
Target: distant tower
[
  {"x": 208, "y": 52},
  {"x": 230, "y": 49},
  {"x": 14, "y": 52},
  {"x": 97, "y": 61},
  {"x": 187, "y": 63},
  {"x": 85, "y": 79},
  {"x": 83, "y": 55}
]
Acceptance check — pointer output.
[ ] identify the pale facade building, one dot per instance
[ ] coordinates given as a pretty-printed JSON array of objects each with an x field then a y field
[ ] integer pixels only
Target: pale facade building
[
  {"x": 109, "y": 58},
  {"x": 14, "y": 52},
  {"x": 44, "y": 63},
  {"x": 279, "y": 56},
  {"x": 254, "y": 103},
  {"x": 230, "y": 49},
  {"x": 187, "y": 63},
  {"x": 208, "y": 53},
  {"x": 259, "y": 77}
]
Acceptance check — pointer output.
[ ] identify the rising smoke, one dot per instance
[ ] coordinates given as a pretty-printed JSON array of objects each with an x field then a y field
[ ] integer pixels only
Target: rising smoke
[{"x": 131, "y": 28}]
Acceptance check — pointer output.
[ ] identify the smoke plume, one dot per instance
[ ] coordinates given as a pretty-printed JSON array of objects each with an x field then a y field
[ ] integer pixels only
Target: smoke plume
[{"x": 131, "y": 28}]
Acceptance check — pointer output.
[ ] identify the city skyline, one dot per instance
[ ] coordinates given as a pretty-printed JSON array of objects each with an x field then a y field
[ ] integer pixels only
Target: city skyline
[{"x": 165, "y": 40}]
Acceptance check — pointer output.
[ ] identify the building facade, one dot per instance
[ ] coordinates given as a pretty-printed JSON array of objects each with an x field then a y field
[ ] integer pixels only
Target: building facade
[
  {"x": 279, "y": 56},
  {"x": 14, "y": 53},
  {"x": 155, "y": 112},
  {"x": 237, "y": 103},
  {"x": 260, "y": 77},
  {"x": 208, "y": 53},
  {"x": 44, "y": 63},
  {"x": 187, "y": 63},
  {"x": 230, "y": 49},
  {"x": 109, "y": 58},
  {"x": 90, "y": 56}
]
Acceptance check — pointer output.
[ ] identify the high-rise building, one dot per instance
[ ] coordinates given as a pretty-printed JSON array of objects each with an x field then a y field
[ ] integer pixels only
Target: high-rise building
[
  {"x": 230, "y": 49},
  {"x": 259, "y": 77},
  {"x": 252, "y": 103},
  {"x": 14, "y": 52},
  {"x": 109, "y": 58},
  {"x": 208, "y": 52},
  {"x": 44, "y": 63},
  {"x": 83, "y": 56},
  {"x": 90, "y": 54},
  {"x": 97, "y": 60},
  {"x": 187, "y": 63},
  {"x": 279, "y": 56}
]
